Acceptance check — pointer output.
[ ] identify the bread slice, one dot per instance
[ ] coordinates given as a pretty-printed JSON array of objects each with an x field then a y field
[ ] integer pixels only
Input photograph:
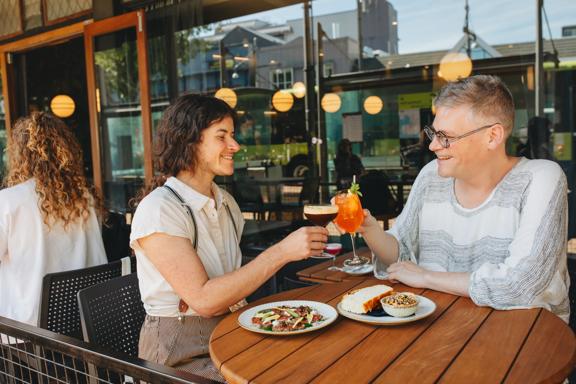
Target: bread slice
[{"x": 363, "y": 300}]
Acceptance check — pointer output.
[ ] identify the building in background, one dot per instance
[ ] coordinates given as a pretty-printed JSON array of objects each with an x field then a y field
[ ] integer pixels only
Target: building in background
[{"x": 123, "y": 61}]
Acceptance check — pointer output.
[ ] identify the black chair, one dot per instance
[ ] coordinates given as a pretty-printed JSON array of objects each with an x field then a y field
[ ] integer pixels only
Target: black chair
[
  {"x": 290, "y": 270},
  {"x": 377, "y": 197},
  {"x": 116, "y": 236},
  {"x": 270, "y": 287},
  {"x": 249, "y": 198},
  {"x": 112, "y": 314},
  {"x": 59, "y": 304},
  {"x": 290, "y": 284},
  {"x": 308, "y": 194},
  {"x": 572, "y": 290},
  {"x": 572, "y": 296}
]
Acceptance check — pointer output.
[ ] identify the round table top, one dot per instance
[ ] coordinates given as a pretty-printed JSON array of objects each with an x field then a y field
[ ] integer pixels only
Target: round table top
[{"x": 460, "y": 342}]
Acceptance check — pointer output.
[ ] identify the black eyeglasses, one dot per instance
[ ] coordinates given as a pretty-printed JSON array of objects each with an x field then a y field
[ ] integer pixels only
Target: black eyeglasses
[{"x": 445, "y": 140}]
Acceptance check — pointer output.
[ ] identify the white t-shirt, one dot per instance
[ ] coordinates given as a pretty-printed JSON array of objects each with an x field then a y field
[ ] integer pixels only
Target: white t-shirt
[
  {"x": 218, "y": 244},
  {"x": 514, "y": 243},
  {"x": 28, "y": 250}
]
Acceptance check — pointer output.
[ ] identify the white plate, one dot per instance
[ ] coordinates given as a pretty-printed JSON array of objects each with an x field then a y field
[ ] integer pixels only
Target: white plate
[
  {"x": 357, "y": 271},
  {"x": 426, "y": 307},
  {"x": 327, "y": 311}
]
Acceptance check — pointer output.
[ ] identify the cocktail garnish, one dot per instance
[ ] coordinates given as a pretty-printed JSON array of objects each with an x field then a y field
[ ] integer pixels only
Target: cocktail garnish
[{"x": 355, "y": 189}]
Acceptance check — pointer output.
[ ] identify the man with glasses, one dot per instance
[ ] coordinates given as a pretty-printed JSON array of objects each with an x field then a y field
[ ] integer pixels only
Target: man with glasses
[{"x": 478, "y": 222}]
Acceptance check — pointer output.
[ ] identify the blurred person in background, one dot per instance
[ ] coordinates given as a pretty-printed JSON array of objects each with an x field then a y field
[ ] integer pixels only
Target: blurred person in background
[
  {"x": 48, "y": 220},
  {"x": 347, "y": 165}
]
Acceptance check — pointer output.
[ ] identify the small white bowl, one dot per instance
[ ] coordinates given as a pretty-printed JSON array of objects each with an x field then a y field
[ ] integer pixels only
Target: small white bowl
[{"x": 407, "y": 306}]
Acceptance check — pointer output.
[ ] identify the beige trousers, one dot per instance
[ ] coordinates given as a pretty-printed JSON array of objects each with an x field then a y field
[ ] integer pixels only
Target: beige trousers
[{"x": 181, "y": 345}]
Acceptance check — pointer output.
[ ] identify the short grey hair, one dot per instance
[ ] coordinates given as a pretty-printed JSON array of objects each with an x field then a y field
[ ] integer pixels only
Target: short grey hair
[{"x": 486, "y": 95}]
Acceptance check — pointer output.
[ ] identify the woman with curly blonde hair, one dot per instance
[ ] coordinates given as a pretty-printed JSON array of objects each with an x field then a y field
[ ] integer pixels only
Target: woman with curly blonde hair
[{"x": 48, "y": 219}]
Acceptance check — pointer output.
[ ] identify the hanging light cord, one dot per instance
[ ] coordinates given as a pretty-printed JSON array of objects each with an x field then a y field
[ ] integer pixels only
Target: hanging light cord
[{"x": 556, "y": 59}]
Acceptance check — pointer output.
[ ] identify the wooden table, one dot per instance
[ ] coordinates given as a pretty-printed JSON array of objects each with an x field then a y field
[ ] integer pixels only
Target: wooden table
[
  {"x": 319, "y": 273},
  {"x": 459, "y": 343}
]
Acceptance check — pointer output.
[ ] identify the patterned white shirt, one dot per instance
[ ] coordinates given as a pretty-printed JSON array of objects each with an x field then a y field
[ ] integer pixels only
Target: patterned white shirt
[{"x": 514, "y": 243}]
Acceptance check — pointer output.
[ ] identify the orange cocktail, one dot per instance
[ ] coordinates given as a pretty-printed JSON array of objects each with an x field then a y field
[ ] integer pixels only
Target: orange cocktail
[
  {"x": 350, "y": 217},
  {"x": 350, "y": 214}
]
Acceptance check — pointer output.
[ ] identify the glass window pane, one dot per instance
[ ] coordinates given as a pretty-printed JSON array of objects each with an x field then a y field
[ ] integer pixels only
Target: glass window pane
[
  {"x": 9, "y": 17},
  {"x": 57, "y": 9},
  {"x": 120, "y": 118},
  {"x": 406, "y": 54},
  {"x": 32, "y": 14},
  {"x": 255, "y": 55}
]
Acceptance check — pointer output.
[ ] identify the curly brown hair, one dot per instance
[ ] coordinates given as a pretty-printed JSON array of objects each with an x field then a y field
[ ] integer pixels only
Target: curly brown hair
[{"x": 42, "y": 147}]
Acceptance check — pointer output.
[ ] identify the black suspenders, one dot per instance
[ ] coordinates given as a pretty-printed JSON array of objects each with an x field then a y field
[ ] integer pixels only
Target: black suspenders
[
  {"x": 182, "y": 305},
  {"x": 194, "y": 225}
]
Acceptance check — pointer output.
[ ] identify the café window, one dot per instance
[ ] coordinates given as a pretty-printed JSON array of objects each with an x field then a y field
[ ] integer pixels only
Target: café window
[
  {"x": 9, "y": 17},
  {"x": 328, "y": 69},
  {"x": 32, "y": 14},
  {"x": 55, "y": 10},
  {"x": 282, "y": 78}
]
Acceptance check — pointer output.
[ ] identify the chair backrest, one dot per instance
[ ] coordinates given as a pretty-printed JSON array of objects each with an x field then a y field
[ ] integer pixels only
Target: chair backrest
[
  {"x": 290, "y": 284},
  {"x": 59, "y": 304},
  {"x": 572, "y": 290},
  {"x": 269, "y": 287},
  {"x": 116, "y": 236},
  {"x": 247, "y": 192},
  {"x": 291, "y": 270},
  {"x": 309, "y": 193},
  {"x": 376, "y": 195},
  {"x": 112, "y": 314}
]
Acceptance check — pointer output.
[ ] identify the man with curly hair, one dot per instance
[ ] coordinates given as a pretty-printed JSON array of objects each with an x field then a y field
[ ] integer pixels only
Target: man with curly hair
[{"x": 48, "y": 218}]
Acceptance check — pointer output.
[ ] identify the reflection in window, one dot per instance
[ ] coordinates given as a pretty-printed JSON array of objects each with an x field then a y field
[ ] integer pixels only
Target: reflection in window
[
  {"x": 116, "y": 62},
  {"x": 198, "y": 62},
  {"x": 126, "y": 147},
  {"x": 32, "y": 14},
  {"x": 118, "y": 94},
  {"x": 282, "y": 78},
  {"x": 328, "y": 69},
  {"x": 57, "y": 9},
  {"x": 255, "y": 55},
  {"x": 9, "y": 17}
]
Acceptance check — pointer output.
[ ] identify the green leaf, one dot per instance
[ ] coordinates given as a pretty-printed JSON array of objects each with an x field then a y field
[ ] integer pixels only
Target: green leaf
[{"x": 355, "y": 189}]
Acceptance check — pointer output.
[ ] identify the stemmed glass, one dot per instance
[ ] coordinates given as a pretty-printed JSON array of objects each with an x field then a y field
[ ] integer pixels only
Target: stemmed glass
[
  {"x": 321, "y": 215},
  {"x": 334, "y": 250},
  {"x": 350, "y": 217}
]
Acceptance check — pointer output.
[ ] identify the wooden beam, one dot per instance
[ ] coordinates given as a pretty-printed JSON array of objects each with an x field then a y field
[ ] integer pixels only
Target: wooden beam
[
  {"x": 93, "y": 113},
  {"x": 50, "y": 37},
  {"x": 5, "y": 93},
  {"x": 217, "y": 10},
  {"x": 142, "y": 45},
  {"x": 113, "y": 24}
]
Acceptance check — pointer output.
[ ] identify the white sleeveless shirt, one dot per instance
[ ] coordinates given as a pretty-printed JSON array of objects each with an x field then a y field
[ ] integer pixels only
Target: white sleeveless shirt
[{"x": 218, "y": 245}]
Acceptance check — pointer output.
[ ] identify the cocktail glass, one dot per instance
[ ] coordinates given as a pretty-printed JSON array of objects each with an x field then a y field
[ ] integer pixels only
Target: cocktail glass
[
  {"x": 350, "y": 217},
  {"x": 321, "y": 215},
  {"x": 334, "y": 250}
]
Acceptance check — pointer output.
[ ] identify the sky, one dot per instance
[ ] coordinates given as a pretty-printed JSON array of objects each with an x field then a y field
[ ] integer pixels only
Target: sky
[{"x": 428, "y": 25}]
